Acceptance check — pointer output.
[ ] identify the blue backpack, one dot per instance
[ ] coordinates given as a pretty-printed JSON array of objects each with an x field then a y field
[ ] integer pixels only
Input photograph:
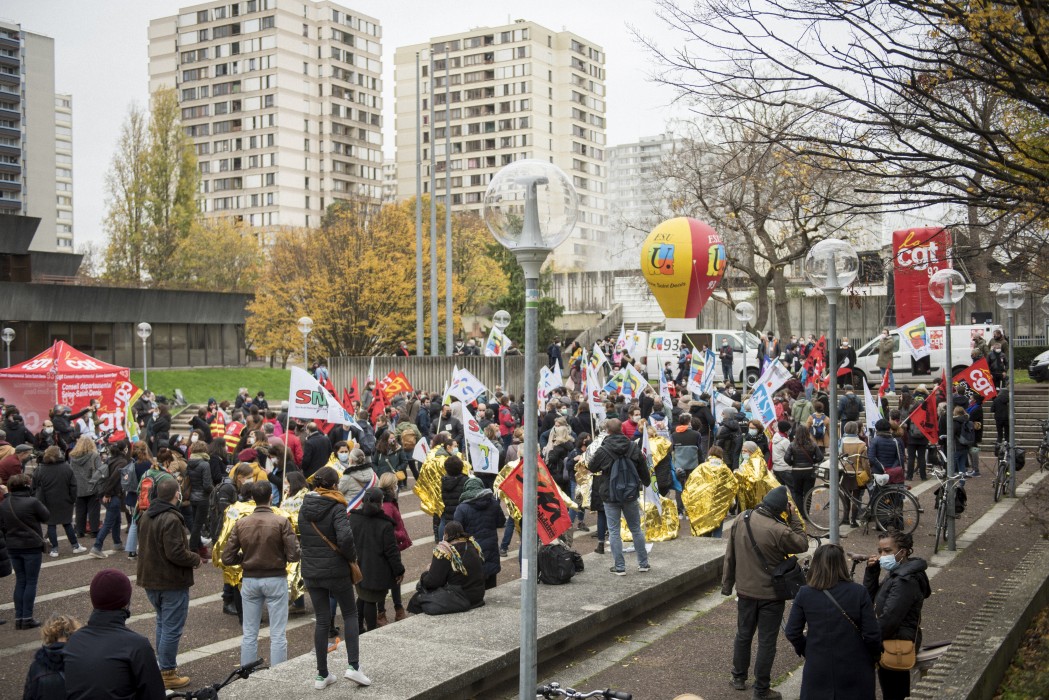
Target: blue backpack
[{"x": 819, "y": 427}]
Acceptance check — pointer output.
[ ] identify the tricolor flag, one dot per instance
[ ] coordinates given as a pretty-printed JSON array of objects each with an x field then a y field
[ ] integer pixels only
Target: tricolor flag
[
  {"x": 695, "y": 371},
  {"x": 593, "y": 396},
  {"x": 497, "y": 344},
  {"x": 597, "y": 358}
]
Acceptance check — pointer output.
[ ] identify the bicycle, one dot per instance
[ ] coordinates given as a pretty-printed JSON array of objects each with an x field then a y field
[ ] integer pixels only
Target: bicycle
[
  {"x": 891, "y": 506},
  {"x": 554, "y": 690},
  {"x": 211, "y": 692},
  {"x": 945, "y": 492},
  {"x": 1002, "y": 479}
]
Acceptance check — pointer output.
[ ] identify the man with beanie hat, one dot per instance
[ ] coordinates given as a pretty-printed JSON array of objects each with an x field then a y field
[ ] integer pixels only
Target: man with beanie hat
[
  {"x": 104, "y": 659},
  {"x": 165, "y": 570},
  {"x": 774, "y": 529}
]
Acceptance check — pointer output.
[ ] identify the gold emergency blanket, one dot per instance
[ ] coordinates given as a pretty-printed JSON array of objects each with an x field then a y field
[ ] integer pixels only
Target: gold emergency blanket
[
  {"x": 708, "y": 495},
  {"x": 658, "y": 448},
  {"x": 754, "y": 480},
  {"x": 428, "y": 485},
  {"x": 233, "y": 574},
  {"x": 658, "y": 528},
  {"x": 584, "y": 484}
]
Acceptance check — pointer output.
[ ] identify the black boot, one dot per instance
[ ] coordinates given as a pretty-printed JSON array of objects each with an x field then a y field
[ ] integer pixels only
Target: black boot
[{"x": 600, "y": 549}]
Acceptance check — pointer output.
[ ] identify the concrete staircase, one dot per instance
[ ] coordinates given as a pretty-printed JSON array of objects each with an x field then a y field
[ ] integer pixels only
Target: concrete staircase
[
  {"x": 1032, "y": 407},
  {"x": 180, "y": 423}
]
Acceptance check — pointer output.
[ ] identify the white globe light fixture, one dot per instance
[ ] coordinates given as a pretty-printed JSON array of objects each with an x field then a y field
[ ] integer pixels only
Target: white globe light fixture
[
  {"x": 530, "y": 207},
  {"x": 305, "y": 325},
  {"x": 832, "y": 265},
  {"x": 8, "y": 336},
  {"x": 501, "y": 320},
  {"x": 144, "y": 330},
  {"x": 745, "y": 313},
  {"x": 1010, "y": 296}
]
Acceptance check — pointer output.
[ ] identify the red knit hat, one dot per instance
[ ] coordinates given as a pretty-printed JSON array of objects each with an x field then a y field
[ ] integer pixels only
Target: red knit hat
[{"x": 110, "y": 590}]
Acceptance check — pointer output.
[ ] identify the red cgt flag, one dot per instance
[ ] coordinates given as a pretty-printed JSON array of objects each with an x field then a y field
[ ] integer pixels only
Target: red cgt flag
[
  {"x": 978, "y": 377},
  {"x": 553, "y": 513}
]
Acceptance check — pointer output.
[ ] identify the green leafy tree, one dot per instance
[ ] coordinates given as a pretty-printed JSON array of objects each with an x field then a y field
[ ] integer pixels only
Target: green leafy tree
[{"x": 513, "y": 301}]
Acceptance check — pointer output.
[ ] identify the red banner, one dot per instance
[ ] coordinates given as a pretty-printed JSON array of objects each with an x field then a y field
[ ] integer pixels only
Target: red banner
[
  {"x": 394, "y": 383},
  {"x": 553, "y": 514},
  {"x": 978, "y": 377},
  {"x": 918, "y": 253},
  {"x": 926, "y": 419}
]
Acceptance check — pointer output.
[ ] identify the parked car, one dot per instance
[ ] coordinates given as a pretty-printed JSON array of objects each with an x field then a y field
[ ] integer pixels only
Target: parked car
[
  {"x": 1039, "y": 369},
  {"x": 905, "y": 369},
  {"x": 664, "y": 346}
]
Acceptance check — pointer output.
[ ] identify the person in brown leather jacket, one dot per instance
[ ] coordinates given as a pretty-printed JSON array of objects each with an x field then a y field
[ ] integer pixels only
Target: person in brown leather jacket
[{"x": 263, "y": 543}]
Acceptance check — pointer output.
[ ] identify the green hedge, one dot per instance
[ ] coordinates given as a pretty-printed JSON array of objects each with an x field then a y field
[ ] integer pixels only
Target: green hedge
[{"x": 1022, "y": 356}]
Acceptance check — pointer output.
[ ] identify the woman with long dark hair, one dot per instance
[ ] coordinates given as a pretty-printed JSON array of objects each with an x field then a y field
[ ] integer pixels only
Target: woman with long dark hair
[{"x": 803, "y": 455}]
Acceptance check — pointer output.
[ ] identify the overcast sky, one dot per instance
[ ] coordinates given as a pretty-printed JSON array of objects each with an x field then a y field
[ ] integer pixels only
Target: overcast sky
[{"x": 101, "y": 58}]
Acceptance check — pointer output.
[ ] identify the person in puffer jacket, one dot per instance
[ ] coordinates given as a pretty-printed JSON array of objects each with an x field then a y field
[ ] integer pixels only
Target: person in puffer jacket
[
  {"x": 198, "y": 472},
  {"x": 373, "y": 536},
  {"x": 327, "y": 551},
  {"x": 481, "y": 517}
]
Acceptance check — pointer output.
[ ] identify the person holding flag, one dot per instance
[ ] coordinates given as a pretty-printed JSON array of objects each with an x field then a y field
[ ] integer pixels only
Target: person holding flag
[{"x": 886, "y": 347}]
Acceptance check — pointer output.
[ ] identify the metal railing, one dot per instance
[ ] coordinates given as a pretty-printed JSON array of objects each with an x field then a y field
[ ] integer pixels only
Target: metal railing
[{"x": 609, "y": 325}]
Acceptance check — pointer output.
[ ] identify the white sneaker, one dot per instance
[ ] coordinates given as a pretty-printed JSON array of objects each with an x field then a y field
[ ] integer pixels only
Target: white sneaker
[
  {"x": 79, "y": 549},
  {"x": 323, "y": 682},
  {"x": 54, "y": 553},
  {"x": 97, "y": 553},
  {"x": 357, "y": 677}
]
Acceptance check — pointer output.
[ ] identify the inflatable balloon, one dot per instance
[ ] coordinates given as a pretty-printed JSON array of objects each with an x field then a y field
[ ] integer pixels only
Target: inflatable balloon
[{"x": 683, "y": 260}]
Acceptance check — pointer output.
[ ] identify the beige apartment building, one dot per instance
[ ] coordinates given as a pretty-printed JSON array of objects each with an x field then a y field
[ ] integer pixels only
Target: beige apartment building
[
  {"x": 283, "y": 102},
  {"x": 516, "y": 91},
  {"x": 36, "y": 138}
]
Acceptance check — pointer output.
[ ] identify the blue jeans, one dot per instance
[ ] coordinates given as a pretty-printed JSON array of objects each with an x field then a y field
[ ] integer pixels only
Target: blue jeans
[
  {"x": 172, "y": 609},
  {"x": 892, "y": 379},
  {"x": 274, "y": 593},
  {"x": 112, "y": 523},
  {"x": 508, "y": 534},
  {"x": 52, "y": 535},
  {"x": 132, "y": 538},
  {"x": 632, "y": 512},
  {"x": 26, "y": 563}
]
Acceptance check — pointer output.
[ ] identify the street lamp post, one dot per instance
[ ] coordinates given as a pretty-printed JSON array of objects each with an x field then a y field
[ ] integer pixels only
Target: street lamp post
[
  {"x": 744, "y": 314},
  {"x": 1010, "y": 296},
  {"x": 947, "y": 288},
  {"x": 144, "y": 330},
  {"x": 831, "y": 266},
  {"x": 305, "y": 325},
  {"x": 530, "y": 207},
  {"x": 8, "y": 335},
  {"x": 1045, "y": 312},
  {"x": 501, "y": 320}
]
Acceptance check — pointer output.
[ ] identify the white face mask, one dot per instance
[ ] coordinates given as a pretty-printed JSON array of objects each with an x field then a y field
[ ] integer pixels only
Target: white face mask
[
  {"x": 251, "y": 440},
  {"x": 48, "y": 431},
  {"x": 193, "y": 438},
  {"x": 344, "y": 457}
]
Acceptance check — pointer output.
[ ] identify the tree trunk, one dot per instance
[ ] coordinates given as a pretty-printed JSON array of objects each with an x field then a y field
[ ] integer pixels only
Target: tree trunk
[
  {"x": 782, "y": 303},
  {"x": 761, "y": 298}
]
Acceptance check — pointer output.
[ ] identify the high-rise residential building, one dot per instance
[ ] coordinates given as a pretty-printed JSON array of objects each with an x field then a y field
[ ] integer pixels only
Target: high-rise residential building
[
  {"x": 506, "y": 93},
  {"x": 637, "y": 194},
  {"x": 389, "y": 181},
  {"x": 282, "y": 100},
  {"x": 36, "y": 158}
]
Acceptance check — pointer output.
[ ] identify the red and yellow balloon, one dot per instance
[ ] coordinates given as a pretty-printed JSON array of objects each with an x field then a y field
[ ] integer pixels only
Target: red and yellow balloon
[{"x": 683, "y": 260}]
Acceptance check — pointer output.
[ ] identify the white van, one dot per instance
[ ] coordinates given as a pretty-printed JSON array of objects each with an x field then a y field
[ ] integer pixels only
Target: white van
[
  {"x": 665, "y": 346},
  {"x": 906, "y": 370}
]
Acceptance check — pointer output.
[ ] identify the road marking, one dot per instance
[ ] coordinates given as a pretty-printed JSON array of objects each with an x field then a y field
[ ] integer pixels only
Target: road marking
[{"x": 56, "y": 595}]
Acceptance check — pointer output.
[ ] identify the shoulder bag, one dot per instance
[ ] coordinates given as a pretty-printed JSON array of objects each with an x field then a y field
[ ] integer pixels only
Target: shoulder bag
[
  {"x": 788, "y": 575},
  {"x": 10, "y": 502},
  {"x": 899, "y": 654},
  {"x": 355, "y": 570}
]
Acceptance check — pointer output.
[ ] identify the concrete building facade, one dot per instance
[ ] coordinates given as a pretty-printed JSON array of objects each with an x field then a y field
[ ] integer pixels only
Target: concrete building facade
[
  {"x": 508, "y": 93},
  {"x": 36, "y": 158},
  {"x": 282, "y": 100}
]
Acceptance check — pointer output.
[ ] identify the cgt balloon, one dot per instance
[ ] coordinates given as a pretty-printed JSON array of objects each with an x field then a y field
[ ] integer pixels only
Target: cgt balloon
[{"x": 683, "y": 260}]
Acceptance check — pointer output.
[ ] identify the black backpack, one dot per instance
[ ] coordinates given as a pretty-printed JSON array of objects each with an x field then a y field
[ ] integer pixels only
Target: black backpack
[
  {"x": 852, "y": 407},
  {"x": 558, "y": 564},
  {"x": 624, "y": 486},
  {"x": 967, "y": 435},
  {"x": 221, "y": 497}
]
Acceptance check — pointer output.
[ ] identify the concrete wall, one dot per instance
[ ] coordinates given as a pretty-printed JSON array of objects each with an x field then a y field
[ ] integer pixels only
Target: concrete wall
[{"x": 429, "y": 373}]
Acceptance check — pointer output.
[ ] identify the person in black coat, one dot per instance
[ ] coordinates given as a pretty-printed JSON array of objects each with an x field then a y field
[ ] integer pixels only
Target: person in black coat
[
  {"x": 378, "y": 555},
  {"x": 104, "y": 659},
  {"x": 456, "y": 563},
  {"x": 198, "y": 472},
  {"x": 200, "y": 422},
  {"x": 481, "y": 517},
  {"x": 729, "y": 437},
  {"x": 843, "y": 641},
  {"x": 999, "y": 407},
  {"x": 55, "y": 485},
  {"x": 112, "y": 498},
  {"x": 898, "y": 601},
  {"x": 14, "y": 426},
  {"x": 46, "y": 677},
  {"x": 452, "y": 484},
  {"x": 316, "y": 450},
  {"x": 326, "y": 539}
]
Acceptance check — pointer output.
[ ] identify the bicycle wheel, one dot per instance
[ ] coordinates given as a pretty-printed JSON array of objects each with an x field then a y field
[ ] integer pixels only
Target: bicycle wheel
[
  {"x": 1043, "y": 457},
  {"x": 896, "y": 509},
  {"x": 941, "y": 526},
  {"x": 817, "y": 507},
  {"x": 1001, "y": 478}
]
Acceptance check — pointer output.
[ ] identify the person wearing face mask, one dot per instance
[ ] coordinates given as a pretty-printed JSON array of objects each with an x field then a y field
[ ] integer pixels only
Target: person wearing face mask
[
  {"x": 165, "y": 571},
  {"x": 756, "y": 434},
  {"x": 46, "y": 437},
  {"x": 357, "y": 474},
  {"x": 105, "y": 659},
  {"x": 898, "y": 599},
  {"x": 631, "y": 424}
]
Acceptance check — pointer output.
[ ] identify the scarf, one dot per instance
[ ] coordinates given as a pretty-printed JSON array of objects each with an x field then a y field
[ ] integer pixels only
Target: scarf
[
  {"x": 333, "y": 494},
  {"x": 445, "y": 550}
]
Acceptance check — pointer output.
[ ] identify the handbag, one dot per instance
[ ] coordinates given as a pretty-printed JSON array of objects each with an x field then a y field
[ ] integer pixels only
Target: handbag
[
  {"x": 355, "y": 570},
  {"x": 897, "y": 655},
  {"x": 11, "y": 505},
  {"x": 788, "y": 576}
]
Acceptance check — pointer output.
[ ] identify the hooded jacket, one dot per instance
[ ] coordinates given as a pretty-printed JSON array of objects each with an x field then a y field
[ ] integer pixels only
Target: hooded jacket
[
  {"x": 88, "y": 471},
  {"x": 165, "y": 562},
  {"x": 198, "y": 470},
  {"x": 612, "y": 448},
  {"x": 321, "y": 565},
  {"x": 775, "y": 538},
  {"x": 46, "y": 677},
  {"x": 898, "y": 599},
  {"x": 356, "y": 480},
  {"x": 104, "y": 659},
  {"x": 729, "y": 438},
  {"x": 451, "y": 492},
  {"x": 883, "y": 453},
  {"x": 481, "y": 517},
  {"x": 376, "y": 544}
]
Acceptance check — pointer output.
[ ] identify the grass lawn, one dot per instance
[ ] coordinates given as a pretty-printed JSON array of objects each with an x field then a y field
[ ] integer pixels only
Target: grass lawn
[{"x": 198, "y": 385}]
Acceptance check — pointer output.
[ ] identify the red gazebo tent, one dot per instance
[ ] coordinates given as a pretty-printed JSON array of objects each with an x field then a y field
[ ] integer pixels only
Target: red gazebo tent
[{"x": 64, "y": 375}]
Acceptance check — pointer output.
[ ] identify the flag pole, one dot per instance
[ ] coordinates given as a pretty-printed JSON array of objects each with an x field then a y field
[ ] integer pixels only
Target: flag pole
[{"x": 284, "y": 465}]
